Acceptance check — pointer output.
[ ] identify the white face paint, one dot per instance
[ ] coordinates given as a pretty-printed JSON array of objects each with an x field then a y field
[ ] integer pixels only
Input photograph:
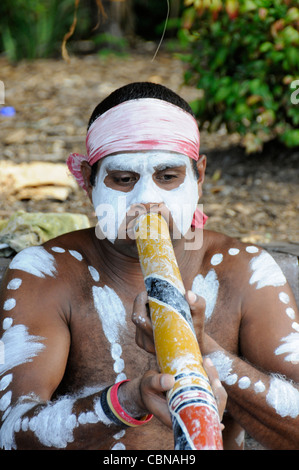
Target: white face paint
[{"x": 181, "y": 201}]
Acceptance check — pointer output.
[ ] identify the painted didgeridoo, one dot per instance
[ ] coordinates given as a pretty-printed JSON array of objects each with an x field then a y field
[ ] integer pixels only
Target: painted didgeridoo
[{"x": 195, "y": 419}]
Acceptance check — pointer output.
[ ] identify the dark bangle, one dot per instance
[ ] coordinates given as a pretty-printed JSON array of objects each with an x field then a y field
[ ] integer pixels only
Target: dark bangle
[{"x": 114, "y": 411}]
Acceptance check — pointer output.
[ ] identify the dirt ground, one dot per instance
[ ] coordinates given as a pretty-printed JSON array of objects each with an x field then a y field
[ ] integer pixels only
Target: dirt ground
[{"x": 254, "y": 198}]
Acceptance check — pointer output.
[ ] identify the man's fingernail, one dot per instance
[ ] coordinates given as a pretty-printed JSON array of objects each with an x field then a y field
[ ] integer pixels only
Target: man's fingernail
[
  {"x": 208, "y": 362},
  {"x": 191, "y": 296},
  {"x": 217, "y": 383}
]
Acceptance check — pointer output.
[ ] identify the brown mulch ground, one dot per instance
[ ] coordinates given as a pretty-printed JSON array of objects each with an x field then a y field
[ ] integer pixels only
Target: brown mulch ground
[{"x": 254, "y": 198}]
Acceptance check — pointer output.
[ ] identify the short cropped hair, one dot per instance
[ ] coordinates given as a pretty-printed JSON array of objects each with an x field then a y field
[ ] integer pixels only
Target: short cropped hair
[
  {"x": 137, "y": 90},
  {"x": 134, "y": 91}
]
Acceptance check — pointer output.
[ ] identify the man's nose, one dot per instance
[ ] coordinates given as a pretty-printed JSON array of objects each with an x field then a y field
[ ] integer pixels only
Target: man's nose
[{"x": 146, "y": 207}]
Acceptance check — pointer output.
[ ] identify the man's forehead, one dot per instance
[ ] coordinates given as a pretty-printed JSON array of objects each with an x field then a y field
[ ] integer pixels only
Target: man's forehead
[{"x": 156, "y": 160}]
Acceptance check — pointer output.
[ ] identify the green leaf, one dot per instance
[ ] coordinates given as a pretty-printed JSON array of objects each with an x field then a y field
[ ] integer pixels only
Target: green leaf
[{"x": 290, "y": 137}]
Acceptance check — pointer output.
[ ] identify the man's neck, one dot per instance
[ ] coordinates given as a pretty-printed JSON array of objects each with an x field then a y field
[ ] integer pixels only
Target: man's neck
[{"x": 121, "y": 262}]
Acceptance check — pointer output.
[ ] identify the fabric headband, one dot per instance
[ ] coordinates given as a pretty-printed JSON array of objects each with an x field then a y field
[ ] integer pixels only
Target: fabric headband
[{"x": 135, "y": 125}]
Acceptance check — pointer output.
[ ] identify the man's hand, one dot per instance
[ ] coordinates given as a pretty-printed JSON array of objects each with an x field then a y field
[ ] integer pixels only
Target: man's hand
[{"x": 145, "y": 340}]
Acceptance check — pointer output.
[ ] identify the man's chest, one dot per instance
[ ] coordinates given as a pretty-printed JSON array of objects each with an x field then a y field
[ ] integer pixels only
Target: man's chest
[{"x": 103, "y": 347}]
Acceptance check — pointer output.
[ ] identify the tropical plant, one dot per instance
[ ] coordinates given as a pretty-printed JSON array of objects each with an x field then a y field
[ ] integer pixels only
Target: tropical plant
[{"x": 245, "y": 57}]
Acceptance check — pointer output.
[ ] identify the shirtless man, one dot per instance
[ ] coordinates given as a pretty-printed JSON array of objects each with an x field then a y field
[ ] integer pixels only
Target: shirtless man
[{"x": 67, "y": 305}]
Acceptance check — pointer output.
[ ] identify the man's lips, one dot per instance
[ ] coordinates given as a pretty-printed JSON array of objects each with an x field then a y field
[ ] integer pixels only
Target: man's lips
[{"x": 134, "y": 213}]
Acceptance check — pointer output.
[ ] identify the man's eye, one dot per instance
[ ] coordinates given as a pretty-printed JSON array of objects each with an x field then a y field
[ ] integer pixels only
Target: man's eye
[
  {"x": 125, "y": 179},
  {"x": 167, "y": 177}
]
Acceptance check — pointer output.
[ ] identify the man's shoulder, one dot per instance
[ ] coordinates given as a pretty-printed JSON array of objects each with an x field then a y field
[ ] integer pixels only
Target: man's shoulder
[
  {"x": 52, "y": 258},
  {"x": 230, "y": 254}
]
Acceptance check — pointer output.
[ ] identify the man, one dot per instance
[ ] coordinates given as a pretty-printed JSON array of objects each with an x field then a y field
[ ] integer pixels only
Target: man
[{"x": 67, "y": 305}]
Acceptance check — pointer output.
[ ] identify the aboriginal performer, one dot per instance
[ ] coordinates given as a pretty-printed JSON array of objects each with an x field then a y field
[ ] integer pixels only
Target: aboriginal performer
[{"x": 75, "y": 371}]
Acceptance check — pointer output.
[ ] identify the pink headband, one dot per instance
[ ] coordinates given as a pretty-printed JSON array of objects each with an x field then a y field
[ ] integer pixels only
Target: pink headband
[{"x": 142, "y": 124}]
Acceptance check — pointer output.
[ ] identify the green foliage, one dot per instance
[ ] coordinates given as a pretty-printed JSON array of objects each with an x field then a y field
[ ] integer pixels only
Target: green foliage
[
  {"x": 245, "y": 57},
  {"x": 34, "y": 28},
  {"x": 111, "y": 45}
]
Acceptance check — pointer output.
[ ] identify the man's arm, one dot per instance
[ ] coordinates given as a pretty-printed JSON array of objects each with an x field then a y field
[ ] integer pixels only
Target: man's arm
[
  {"x": 35, "y": 313},
  {"x": 262, "y": 383}
]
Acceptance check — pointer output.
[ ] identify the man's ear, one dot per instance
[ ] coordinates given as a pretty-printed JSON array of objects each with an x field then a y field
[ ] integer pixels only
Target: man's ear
[
  {"x": 86, "y": 172},
  {"x": 201, "y": 167}
]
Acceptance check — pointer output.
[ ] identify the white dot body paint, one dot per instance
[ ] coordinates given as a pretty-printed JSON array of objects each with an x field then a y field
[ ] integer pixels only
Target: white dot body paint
[
  {"x": 118, "y": 446},
  {"x": 94, "y": 273},
  {"x": 291, "y": 348},
  {"x": 259, "y": 387},
  {"x": 207, "y": 287},
  {"x": 5, "y": 401},
  {"x": 290, "y": 313},
  {"x": 14, "y": 284},
  {"x": 57, "y": 249},
  {"x": 244, "y": 382},
  {"x": 252, "y": 249},
  {"x": 295, "y": 326},
  {"x": 240, "y": 438},
  {"x": 9, "y": 304},
  {"x": 233, "y": 251},
  {"x": 231, "y": 379},
  {"x": 283, "y": 397},
  {"x": 113, "y": 317},
  {"x": 7, "y": 322},
  {"x": 76, "y": 255},
  {"x": 266, "y": 272},
  {"x": 111, "y": 205},
  {"x": 283, "y": 297},
  {"x": 217, "y": 259},
  {"x": 35, "y": 260},
  {"x": 5, "y": 381}
]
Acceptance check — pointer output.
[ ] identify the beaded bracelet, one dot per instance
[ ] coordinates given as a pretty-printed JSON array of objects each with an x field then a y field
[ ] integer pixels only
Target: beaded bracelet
[{"x": 114, "y": 411}]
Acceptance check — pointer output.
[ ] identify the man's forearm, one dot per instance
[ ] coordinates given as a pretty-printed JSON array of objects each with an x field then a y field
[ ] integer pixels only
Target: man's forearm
[
  {"x": 71, "y": 422},
  {"x": 267, "y": 406}
]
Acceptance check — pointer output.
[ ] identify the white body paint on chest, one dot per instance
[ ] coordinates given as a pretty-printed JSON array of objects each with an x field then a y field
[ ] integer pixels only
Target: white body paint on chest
[
  {"x": 35, "y": 260},
  {"x": 207, "y": 287},
  {"x": 181, "y": 201},
  {"x": 266, "y": 272},
  {"x": 113, "y": 317}
]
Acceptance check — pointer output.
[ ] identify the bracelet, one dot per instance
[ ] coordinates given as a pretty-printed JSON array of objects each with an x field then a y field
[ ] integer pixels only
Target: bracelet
[{"x": 114, "y": 411}]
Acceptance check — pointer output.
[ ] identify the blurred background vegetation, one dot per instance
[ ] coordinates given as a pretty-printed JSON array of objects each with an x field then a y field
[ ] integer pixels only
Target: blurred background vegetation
[{"x": 242, "y": 54}]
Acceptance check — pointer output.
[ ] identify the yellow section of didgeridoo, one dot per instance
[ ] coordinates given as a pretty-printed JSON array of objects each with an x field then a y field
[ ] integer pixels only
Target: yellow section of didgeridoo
[
  {"x": 155, "y": 249},
  {"x": 191, "y": 401},
  {"x": 177, "y": 348},
  {"x": 173, "y": 335}
]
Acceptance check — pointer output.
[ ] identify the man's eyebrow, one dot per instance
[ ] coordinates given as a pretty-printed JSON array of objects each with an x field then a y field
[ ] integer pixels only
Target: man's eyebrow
[
  {"x": 166, "y": 166},
  {"x": 119, "y": 167}
]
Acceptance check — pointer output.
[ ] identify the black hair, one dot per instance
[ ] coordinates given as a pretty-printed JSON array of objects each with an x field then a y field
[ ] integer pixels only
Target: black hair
[
  {"x": 134, "y": 91},
  {"x": 137, "y": 90}
]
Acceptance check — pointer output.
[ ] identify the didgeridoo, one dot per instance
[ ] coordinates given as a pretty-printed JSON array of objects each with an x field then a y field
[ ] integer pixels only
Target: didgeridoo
[{"x": 192, "y": 405}]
